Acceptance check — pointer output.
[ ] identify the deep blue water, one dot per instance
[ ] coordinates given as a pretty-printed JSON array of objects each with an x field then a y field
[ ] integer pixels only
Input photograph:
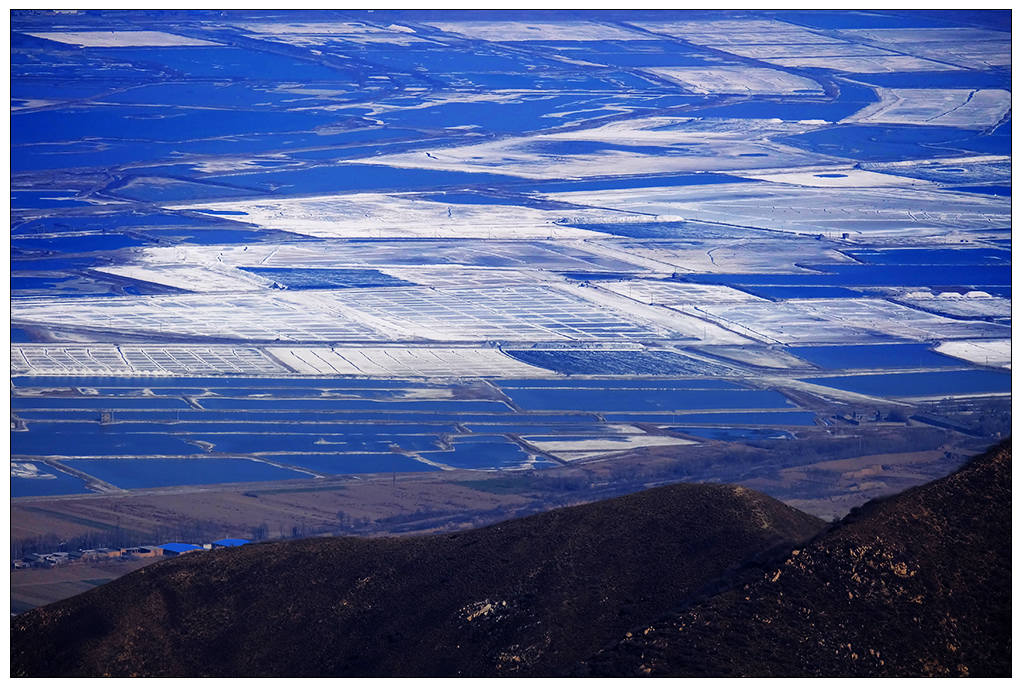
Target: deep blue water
[
  {"x": 912, "y": 384},
  {"x": 113, "y": 152},
  {"x": 62, "y": 483},
  {"x": 876, "y": 143},
  {"x": 480, "y": 452},
  {"x": 19, "y": 335},
  {"x": 146, "y": 473},
  {"x": 782, "y": 418},
  {"x": 971, "y": 78},
  {"x": 77, "y": 244},
  {"x": 231, "y": 95},
  {"x": 989, "y": 190},
  {"x": 55, "y": 264},
  {"x": 113, "y": 222},
  {"x": 350, "y": 177},
  {"x": 20, "y": 283},
  {"x": 652, "y": 52},
  {"x": 353, "y": 416},
  {"x": 82, "y": 440},
  {"x": 161, "y": 191},
  {"x": 154, "y": 124},
  {"x": 284, "y": 442},
  {"x": 598, "y": 400},
  {"x": 354, "y": 463},
  {"x": 874, "y": 356},
  {"x": 844, "y": 19},
  {"x": 228, "y": 64},
  {"x": 598, "y": 385},
  {"x": 932, "y": 256},
  {"x": 290, "y": 428}
]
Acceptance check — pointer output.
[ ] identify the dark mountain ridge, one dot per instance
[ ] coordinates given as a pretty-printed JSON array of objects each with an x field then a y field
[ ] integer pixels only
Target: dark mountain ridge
[
  {"x": 533, "y": 596},
  {"x": 918, "y": 584}
]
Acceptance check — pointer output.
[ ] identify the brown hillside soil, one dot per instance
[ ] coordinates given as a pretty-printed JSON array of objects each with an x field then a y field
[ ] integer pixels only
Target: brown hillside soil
[
  {"x": 915, "y": 585},
  {"x": 525, "y": 597}
]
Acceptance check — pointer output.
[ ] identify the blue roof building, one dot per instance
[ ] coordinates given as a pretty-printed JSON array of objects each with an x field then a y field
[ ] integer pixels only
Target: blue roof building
[
  {"x": 177, "y": 548},
  {"x": 224, "y": 543}
]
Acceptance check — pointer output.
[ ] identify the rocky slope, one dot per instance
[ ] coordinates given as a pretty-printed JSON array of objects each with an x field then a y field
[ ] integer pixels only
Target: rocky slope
[{"x": 915, "y": 585}]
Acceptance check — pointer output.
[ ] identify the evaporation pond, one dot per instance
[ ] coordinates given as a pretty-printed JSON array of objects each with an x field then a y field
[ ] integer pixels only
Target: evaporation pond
[
  {"x": 382, "y": 416},
  {"x": 289, "y": 427},
  {"x": 912, "y": 384},
  {"x": 29, "y": 478},
  {"x": 932, "y": 256},
  {"x": 606, "y": 384},
  {"x": 780, "y": 417},
  {"x": 480, "y": 452},
  {"x": 145, "y": 473},
  {"x": 284, "y": 442},
  {"x": 355, "y": 463},
  {"x": 663, "y": 400},
  {"x": 93, "y": 439},
  {"x": 873, "y": 356}
]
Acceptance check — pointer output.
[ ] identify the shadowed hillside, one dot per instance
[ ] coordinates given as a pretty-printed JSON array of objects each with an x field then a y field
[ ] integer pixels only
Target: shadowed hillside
[
  {"x": 918, "y": 584},
  {"x": 527, "y": 597}
]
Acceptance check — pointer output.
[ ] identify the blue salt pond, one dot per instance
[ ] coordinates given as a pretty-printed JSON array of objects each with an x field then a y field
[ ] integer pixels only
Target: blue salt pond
[
  {"x": 922, "y": 384},
  {"x": 874, "y": 356},
  {"x": 84, "y": 439},
  {"x": 629, "y": 383},
  {"x": 782, "y": 418},
  {"x": 480, "y": 452},
  {"x": 146, "y": 473},
  {"x": 284, "y": 442},
  {"x": 664, "y": 400},
  {"x": 57, "y": 484},
  {"x": 354, "y": 463},
  {"x": 932, "y": 256}
]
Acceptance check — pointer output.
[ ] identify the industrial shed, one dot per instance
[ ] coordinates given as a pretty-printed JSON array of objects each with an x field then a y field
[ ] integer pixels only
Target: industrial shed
[
  {"x": 177, "y": 548},
  {"x": 227, "y": 543}
]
